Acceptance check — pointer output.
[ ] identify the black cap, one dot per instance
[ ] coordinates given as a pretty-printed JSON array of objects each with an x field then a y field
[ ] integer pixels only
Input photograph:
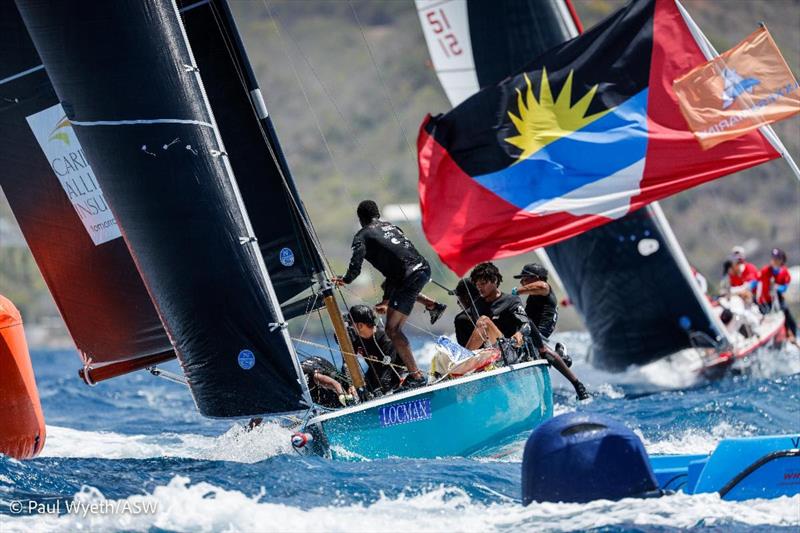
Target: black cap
[
  {"x": 533, "y": 270},
  {"x": 363, "y": 314}
]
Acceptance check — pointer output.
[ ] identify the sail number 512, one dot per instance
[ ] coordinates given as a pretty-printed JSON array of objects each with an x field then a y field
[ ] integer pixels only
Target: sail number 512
[{"x": 438, "y": 22}]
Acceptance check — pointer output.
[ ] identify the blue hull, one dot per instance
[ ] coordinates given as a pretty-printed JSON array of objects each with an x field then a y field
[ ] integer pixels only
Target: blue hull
[
  {"x": 454, "y": 418},
  {"x": 739, "y": 469}
]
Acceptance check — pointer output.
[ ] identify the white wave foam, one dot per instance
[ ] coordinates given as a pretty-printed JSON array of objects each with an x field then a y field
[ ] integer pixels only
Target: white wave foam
[
  {"x": 266, "y": 440},
  {"x": 182, "y": 506},
  {"x": 694, "y": 441}
]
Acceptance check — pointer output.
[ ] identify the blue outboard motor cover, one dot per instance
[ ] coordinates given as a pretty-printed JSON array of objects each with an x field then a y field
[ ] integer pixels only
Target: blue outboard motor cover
[{"x": 580, "y": 457}]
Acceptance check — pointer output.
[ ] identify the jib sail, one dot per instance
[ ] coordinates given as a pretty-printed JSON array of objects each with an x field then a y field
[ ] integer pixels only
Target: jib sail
[
  {"x": 629, "y": 279},
  {"x": 62, "y": 211},
  {"x": 276, "y": 212},
  {"x": 132, "y": 89}
]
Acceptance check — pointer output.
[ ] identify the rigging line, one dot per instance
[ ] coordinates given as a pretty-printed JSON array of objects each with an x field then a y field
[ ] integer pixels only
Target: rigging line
[
  {"x": 284, "y": 36},
  {"x": 409, "y": 322},
  {"x": 277, "y": 24},
  {"x": 327, "y": 339},
  {"x": 388, "y": 96},
  {"x": 383, "y": 83},
  {"x": 337, "y": 108},
  {"x": 364, "y": 357},
  {"x": 309, "y": 307},
  {"x": 297, "y": 212}
]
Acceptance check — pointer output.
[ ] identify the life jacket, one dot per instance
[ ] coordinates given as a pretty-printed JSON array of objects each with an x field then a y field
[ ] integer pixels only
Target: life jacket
[
  {"x": 765, "y": 277},
  {"x": 749, "y": 273}
]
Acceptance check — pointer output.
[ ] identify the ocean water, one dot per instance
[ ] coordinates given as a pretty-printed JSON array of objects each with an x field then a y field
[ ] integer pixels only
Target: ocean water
[{"x": 134, "y": 455}]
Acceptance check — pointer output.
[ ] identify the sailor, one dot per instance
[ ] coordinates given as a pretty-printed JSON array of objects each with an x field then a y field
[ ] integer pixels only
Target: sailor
[
  {"x": 502, "y": 314},
  {"x": 541, "y": 309},
  {"x": 373, "y": 345},
  {"x": 776, "y": 272},
  {"x": 328, "y": 387},
  {"x": 386, "y": 247},
  {"x": 743, "y": 276},
  {"x": 468, "y": 299}
]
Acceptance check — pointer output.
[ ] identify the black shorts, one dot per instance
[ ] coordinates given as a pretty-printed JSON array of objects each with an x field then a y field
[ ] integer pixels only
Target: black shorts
[{"x": 402, "y": 295}]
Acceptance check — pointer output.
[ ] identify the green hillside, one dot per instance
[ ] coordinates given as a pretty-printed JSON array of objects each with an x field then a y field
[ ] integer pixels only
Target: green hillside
[{"x": 348, "y": 84}]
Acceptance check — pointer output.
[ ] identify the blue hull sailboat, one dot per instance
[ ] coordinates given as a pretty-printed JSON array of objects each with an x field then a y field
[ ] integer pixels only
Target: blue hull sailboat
[{"x": 458, "y": 417}]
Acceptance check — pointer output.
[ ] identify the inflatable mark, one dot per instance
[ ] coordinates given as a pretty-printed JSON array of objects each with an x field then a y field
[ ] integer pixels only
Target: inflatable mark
[{"x": 22, "y": 431}]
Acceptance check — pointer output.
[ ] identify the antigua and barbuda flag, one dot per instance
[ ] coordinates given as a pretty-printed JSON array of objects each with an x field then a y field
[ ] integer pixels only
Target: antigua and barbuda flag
[{"x": 584, "y": 134}]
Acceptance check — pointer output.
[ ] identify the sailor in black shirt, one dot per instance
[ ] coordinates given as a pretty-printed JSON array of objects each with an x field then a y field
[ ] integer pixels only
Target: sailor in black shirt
[
  {"x": 541, "y": 308},
  {"x": 374, "y": 346},
  {"x": 328, "y": 387},
  {"x": 386, "y": 247},
  {"x": 502, "y": 315}
]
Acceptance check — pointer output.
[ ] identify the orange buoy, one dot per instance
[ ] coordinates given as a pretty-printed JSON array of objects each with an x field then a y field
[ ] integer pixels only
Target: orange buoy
[{"x": 22, "y": 430}]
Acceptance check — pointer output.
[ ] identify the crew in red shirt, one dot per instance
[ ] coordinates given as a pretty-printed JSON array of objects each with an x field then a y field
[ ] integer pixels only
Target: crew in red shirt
[
  {"x": 776, "y": 272},
  {"x": 742, "y": 274}
]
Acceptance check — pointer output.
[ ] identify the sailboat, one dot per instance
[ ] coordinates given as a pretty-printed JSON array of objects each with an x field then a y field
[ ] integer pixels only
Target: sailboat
[
  {"x": 196, "y": 243},
  {"x": 662, "y": 315}
]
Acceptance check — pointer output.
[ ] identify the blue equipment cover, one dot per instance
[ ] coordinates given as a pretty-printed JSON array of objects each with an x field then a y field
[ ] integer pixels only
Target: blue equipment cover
[{"x": 580, "y": 457}]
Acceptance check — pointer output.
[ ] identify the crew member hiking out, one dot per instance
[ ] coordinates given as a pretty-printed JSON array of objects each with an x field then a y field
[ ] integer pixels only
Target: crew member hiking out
[
  {"x": 373, "y": 345},
  {"x": 386, "y": 247},
  {"x": 541, "y": 308}
]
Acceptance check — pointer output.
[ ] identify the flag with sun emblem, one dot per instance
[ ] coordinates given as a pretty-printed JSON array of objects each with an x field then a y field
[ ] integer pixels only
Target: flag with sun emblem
[{"x": 584, "y": 134}]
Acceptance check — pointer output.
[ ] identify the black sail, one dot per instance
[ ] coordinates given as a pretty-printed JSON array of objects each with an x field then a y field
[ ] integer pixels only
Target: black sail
[
  {"x": 63, "y": 215},
  {"x": 628, "y": 279},
  {"x": 276, "y": 212},
  {"x": 128, "y": 82}
]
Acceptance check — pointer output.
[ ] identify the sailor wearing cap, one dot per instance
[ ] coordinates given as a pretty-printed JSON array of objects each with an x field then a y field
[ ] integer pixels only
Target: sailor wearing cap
[{"x": 542, "y": 310}]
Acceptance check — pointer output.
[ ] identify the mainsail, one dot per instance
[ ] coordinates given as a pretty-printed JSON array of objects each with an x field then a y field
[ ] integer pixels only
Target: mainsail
[
  {"x": 131, "y": 87},
  {"x": 629, "y": 278},
  {"x": 64, "y": 217}
]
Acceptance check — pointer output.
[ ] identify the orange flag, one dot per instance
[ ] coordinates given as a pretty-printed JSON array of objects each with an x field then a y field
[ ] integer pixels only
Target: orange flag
[{"x": 748, "y": 86}]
